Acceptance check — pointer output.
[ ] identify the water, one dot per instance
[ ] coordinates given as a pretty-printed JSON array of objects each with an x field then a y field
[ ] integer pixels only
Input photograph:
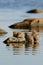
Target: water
[{"x": 12, "y": 11}]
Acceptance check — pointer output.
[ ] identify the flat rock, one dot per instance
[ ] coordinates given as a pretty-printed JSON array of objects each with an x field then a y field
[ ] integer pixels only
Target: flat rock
[
  {"x": 14, "y": 40},
  {"x": 27, "y": 23},
  {"x": 2, "y": 32},
  {"x": 35, "y": 11}
]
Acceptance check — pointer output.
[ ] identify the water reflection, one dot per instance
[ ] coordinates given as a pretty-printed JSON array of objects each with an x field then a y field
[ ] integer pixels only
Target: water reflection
[
  {"x": 25, "y": 49},
  {"x": 37, "y": 28},
  {"x": 31, "y": 48}
]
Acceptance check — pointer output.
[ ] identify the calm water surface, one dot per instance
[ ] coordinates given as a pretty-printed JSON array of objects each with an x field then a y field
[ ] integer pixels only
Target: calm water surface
[{"x": 19, "y": 56}]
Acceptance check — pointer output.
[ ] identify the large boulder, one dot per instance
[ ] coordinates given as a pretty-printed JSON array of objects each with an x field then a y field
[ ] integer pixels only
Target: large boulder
[
  {"x": 35, "y": 11},
  {"x": 2, "y": 32}
]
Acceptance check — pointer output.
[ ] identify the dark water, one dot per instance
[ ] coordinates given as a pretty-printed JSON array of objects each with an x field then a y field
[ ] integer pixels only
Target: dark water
[{"x": 12, "y": 11}]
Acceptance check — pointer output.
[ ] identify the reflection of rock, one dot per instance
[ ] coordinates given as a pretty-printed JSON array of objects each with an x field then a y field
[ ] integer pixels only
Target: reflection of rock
[
  {"x": 34, "y": 46},
  {"x": 35, "y": 11},
  {"x": 18, "y": 45},
  {"x": 2, "y": 32},
  {"x": 26, "y": 24},
  {"x": 14, "y": 44},
  {"x": 28, "y": 44}
]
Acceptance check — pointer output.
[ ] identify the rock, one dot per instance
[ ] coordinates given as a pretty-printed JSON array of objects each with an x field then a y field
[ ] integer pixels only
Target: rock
[
  {"x": 29, "y": 38},
  {"x": 20, "y": 25},
  {"x": 14, "y": 40},
  {"x": 35, "y": 36},
  {"x": 21, "y": 40},
  {"x": 19, "y": 34},
  {"x": 35, "y": 11},
  {"x": 15, "y": 34},
  {"x": 6, "y": 42},
  {"x": 2, "y": 32},
  {"x": 26, "y": 24},
  {"x": 19, "y": 37},
  {"x": 34, "y": 33}
]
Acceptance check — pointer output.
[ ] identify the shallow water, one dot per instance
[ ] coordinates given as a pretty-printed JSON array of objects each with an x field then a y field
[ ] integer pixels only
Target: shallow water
[
  {"x": 12, "y": 11},
  {"x": 19, "y": 56}
]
